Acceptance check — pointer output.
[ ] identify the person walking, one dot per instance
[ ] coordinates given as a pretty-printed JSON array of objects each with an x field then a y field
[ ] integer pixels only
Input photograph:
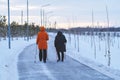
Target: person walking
[
  {"x": 41, "y": 41},
  {"x": 60, "y": 46}
]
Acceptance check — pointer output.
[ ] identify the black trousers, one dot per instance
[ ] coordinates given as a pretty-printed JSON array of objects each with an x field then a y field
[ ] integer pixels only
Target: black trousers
[
  {"x": 60, "y": 56},
  {"x": 42, "y": 54}
]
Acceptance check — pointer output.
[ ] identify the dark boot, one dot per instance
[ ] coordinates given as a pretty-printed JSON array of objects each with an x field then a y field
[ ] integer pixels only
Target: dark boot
[
  {"x": 58, "y": 60},
  {"x": 44, "y": 55},
  {"x": 40, "y": 55},
  {"x": 58, "y": 54}
]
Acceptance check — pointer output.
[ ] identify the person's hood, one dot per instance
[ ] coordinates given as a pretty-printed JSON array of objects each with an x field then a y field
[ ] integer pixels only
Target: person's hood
[
  {"x": 59, "y": 33},
  {"x": 42, "y": 28}
]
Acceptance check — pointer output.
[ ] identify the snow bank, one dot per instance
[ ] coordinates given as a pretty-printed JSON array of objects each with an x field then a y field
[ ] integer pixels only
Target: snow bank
[{"x": 8, "y": 57}]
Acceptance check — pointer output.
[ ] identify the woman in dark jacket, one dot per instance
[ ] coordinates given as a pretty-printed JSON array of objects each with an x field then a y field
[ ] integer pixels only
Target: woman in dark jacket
[{"x": 60, "y": 46}]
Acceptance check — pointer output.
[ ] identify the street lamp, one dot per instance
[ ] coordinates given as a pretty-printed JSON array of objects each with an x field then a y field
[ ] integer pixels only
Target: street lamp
[
  {"x": 45, "y": 5},
  {"x": 27, "y": 22},
  {"x": 42, "y": 13},
  {"x": 22, "y": 17},
  {"x": 48, "y": 20},
  {"x": 47, "y": 17},
  {"x": 9, "y": 31}
]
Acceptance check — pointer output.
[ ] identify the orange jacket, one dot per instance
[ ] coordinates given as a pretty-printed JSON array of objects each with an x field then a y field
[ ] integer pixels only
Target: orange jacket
[{"x": 42, "y": 38}]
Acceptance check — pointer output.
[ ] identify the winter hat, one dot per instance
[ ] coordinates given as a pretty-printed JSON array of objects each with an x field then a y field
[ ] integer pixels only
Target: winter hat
[
  {"x": 42, "y": 28},
  {"x": 59, "y": 33}
]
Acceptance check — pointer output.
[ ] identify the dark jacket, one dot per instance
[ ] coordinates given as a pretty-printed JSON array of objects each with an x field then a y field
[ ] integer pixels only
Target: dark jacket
[{"x": 59, "y": 42}]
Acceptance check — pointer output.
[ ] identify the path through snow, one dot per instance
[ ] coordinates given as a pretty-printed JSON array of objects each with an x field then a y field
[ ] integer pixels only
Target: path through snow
[{"x": 70, "y": 69}]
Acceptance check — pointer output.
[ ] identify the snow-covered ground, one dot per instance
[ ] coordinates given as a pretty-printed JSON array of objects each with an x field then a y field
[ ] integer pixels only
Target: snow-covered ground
[
  {"x": 8, "y": 57},
  {"x": 85, "y": 54},
  {"x": 84, "y": 48}
]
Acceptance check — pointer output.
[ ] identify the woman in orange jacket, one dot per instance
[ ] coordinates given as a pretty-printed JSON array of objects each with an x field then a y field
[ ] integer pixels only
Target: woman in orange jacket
[{"x": 41, "y": 41}]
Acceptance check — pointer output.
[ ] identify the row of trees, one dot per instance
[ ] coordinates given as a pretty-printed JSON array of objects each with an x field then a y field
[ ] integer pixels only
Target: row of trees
[
  {"x": 3, "y": 28},
  {"x": 21, "y": 30},
  {"x": 16, "y": 29}
]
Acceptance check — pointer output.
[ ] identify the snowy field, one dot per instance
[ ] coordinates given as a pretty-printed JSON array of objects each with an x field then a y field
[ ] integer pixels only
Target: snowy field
[
  {"x": 92, "y": 51},
  {"x": 84, "y": 53}
]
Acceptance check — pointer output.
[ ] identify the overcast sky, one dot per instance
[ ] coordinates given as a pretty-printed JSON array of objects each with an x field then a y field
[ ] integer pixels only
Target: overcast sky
[{"x": 65, "y": 12}]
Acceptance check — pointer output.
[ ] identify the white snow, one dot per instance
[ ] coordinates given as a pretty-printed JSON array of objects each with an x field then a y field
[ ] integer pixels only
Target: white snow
[
  {"x": 8, "y": 57},
  {"x": 85, "y": 55},
  {"x": 47, "y": 72}
]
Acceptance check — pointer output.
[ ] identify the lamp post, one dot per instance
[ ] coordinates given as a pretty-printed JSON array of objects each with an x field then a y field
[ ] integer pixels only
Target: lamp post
[
  {"x": 41, "y": 16},
  {"x": 48, "y": 21},
  {"x": 9, "y": 31},
  {"x": 42, "y": 12},
  {"x": 22, "y": 17},
  {"x": 27, "y": 22},
  {"x": 46, "y": 17}
]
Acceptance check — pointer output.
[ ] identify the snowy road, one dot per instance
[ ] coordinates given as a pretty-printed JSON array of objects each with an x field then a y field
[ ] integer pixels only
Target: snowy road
[{"x": 70, "y": 69}]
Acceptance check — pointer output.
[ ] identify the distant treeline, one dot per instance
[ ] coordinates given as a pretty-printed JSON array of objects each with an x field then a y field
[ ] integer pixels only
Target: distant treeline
[
  {"x": 88, "y": 29},
  {"x": 19, "y": 30}
]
